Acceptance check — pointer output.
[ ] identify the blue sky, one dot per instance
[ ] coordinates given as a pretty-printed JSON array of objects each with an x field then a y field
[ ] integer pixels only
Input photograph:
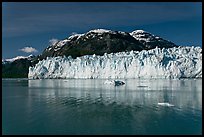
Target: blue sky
[{"x": 28, "y": 24}]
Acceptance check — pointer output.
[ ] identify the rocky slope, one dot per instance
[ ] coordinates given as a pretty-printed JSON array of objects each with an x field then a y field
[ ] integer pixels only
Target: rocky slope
[
  {"x": 102, "y": 41},
  {"x": 98, "y": 42},
  {"x": 16, "y": 67}
]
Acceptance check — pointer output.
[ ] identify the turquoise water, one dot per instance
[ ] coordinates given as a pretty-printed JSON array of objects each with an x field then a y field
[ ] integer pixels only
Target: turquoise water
[{"x": 90, "y": 107}]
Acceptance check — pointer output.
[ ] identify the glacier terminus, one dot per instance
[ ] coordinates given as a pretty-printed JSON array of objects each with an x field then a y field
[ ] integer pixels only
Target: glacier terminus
[{"x": 174, "y": 63}]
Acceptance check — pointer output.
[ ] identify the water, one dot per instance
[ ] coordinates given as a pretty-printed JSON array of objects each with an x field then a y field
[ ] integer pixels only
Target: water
[{"x": 90, "y": 107}]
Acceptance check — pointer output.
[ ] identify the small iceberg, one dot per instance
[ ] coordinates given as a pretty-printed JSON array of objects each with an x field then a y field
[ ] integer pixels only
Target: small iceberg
[
  {"x": 165, "y": 104},
  {"x": 65, "y": 80},
  {"x": 114, "y": 82}
]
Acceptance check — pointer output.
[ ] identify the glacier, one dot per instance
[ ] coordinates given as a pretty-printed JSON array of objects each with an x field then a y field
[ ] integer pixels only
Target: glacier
[{"x": 173, "y": 63}]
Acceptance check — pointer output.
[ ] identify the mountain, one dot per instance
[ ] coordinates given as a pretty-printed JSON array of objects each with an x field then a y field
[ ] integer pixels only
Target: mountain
[
  {"x": 150, "y": 41},
  {"x": 97, "y": 41},
  {"x": 100, "y": 41},
  {"x": 30, "y": 57},
  {"x": 176, "y": 62},
  {"x": 16, "y": 67}
]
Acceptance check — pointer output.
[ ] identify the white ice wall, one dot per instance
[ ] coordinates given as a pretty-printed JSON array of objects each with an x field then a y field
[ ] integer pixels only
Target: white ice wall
[{"x": 156, "y": 63}]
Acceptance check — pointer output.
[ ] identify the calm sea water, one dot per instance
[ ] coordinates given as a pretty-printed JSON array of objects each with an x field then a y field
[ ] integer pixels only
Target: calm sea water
[{"x": 90, "y": 107}]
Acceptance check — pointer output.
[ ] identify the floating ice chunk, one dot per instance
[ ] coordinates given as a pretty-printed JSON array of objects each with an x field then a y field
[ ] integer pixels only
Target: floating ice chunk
[
  {"x": 118, "y": 83},
  {"x": 109, "y": 82},
  {"x": 114, "y": 82},
  {"x": 165, "y": 104}
]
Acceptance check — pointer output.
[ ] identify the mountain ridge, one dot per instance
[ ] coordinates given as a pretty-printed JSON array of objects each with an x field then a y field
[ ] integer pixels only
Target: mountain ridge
[
  {"x": 96, "y": 41},
  {"x": 100, "y": 41}
]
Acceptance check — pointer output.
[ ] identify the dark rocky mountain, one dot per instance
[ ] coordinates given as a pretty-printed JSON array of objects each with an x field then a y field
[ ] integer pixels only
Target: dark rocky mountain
[
  {"x": 102, "y": 41},
  {"x": 16, "y": 69},
  {"x": 150, "y": 41},
  {"x": 98, "y": 41}
]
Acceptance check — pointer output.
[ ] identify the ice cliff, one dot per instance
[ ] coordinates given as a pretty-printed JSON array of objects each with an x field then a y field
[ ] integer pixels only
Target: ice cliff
[{"x": 177, "y": 62}]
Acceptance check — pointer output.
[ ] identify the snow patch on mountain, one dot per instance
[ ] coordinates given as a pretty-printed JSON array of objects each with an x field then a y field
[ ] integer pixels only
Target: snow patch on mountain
[
  {"x": 77, "y": 36},
  {"x": 142, "y": 35},
  {"x": 177, "y": 62},
  {"x": 59, "y": 44},
  {"x": 101, "y": 31},
  {"x": 17, "y": 58},
  {"x": 139, "y": 31}
]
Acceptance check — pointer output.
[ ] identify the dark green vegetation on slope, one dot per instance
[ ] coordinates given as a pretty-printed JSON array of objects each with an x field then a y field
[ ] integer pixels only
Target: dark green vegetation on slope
[{"x": 16, "y": 69}]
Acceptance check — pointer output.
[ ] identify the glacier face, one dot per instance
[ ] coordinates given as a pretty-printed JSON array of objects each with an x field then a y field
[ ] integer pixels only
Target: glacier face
[{"x": 177, "y": 62}]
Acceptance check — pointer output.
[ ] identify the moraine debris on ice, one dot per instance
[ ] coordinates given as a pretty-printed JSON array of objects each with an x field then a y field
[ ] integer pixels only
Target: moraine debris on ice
[{"x": 174, "y": 63}]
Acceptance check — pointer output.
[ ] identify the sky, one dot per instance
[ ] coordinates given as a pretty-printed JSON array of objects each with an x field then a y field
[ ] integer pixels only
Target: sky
[{"x": 29, "y": 27}]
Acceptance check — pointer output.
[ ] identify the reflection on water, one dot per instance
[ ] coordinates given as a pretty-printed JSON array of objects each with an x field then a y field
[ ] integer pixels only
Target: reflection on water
[
  {"x": 182, "y": 93},
  {"x": 78, "y": 106}
]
